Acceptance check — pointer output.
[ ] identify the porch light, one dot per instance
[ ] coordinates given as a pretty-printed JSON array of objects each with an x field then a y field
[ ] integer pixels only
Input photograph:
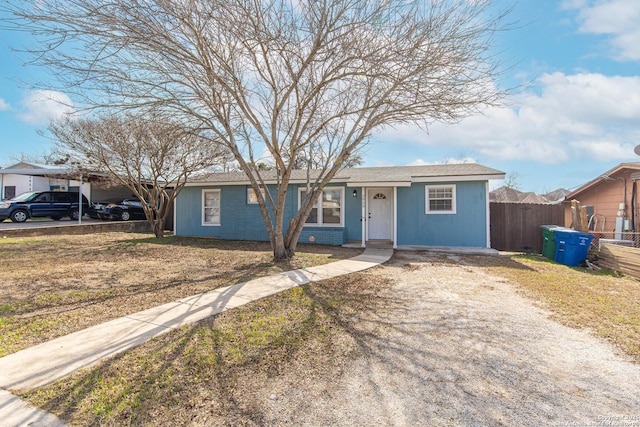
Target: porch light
[{"x": 355, "y": 193}]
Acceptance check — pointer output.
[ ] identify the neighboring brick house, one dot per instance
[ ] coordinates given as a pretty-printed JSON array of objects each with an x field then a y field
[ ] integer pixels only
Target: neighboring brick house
[{"x": 611, "y": 200}]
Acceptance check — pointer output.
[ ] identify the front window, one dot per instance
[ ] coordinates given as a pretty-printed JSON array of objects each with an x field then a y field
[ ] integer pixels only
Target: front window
[
  {"x": 332, "y": 206},
  {"x": 252, "y": 197},
  {"x": 327, "y": 210},
  {"x": 440, "y": 199},
  {"x": 211, "y": 207},
  {"x": 24, "y": 197}
]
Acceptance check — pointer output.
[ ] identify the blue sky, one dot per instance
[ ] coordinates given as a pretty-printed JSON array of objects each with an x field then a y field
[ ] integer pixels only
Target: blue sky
[{"x": 576, "y": 115}]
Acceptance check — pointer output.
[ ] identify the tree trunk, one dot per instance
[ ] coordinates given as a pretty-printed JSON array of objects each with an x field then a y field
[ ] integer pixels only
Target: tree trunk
[
  {"x": 290, "y": 240},
  {"x": 280, "y": 251},
  {"x": 157, "y": 216},
  {"x": 293, "y": 234},
  {"x": 158, "y": 227}
]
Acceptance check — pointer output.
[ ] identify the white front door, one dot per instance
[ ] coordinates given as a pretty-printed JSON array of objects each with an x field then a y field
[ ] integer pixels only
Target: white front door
[{"x": 380, "y": 213}]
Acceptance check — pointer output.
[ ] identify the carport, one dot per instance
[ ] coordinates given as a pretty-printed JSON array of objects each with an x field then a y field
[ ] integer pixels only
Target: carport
[{"x": 26, "y": 176}]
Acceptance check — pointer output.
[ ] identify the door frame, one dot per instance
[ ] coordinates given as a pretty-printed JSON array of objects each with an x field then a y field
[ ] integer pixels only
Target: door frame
[{"x": 394, "y": 210}]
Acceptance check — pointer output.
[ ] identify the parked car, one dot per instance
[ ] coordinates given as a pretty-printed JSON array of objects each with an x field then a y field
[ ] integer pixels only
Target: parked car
[
  {"x": 96, "y": 208},
  {"x": 38, "y": 204},
  {"x": 124, "y": 210}
]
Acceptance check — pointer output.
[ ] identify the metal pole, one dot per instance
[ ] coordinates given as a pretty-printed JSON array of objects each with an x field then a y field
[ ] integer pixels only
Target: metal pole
[
  {"x": 80, "y": 201},
  {"x": 363, "y": 216}
]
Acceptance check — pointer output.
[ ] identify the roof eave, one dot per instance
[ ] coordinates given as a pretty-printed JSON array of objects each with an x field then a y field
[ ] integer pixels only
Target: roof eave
[
  {"x": 458, "y": 178},
  {"x": 366, "y": 183},
  {"x": 36, "y": 171},
  {"x": 594, "y": 182},
  {"x": 379, "y": 184},
  {"x": 247, "y": 182}
]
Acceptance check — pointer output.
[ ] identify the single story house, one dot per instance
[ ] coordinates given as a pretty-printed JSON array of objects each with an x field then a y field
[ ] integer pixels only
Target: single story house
[
  {"x": 431, "y": 205},
  {"x": 611, "y": 200}
]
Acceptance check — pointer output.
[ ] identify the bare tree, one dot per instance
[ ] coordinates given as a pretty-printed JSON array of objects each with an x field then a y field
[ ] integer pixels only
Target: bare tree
[
  {"x": 512, "y": 180},
  {"x": 312, "y": 159},
  {"x": 153, "y": 159},
  {"x": 276, "y": 76}
]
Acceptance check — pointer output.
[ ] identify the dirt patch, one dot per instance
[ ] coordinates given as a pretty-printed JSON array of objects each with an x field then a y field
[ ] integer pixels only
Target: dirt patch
[{"x": 450, "y": 344}]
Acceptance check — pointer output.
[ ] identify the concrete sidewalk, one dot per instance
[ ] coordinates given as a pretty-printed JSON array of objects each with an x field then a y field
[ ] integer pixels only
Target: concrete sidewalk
[{"x": 47, "y": 362}]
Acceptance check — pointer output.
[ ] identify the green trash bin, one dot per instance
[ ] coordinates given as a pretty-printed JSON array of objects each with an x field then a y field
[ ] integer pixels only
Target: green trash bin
[{"x": 549, "y": 240}]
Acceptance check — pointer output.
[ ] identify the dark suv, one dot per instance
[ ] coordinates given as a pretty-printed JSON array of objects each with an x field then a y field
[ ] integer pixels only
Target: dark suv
[{"x": 35, "y": 204}]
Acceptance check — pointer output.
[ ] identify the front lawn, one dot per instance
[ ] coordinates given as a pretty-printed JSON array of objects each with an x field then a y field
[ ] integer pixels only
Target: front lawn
[
  {"x": 213, "y": 372},
  {"x": 55, "y": 285}
]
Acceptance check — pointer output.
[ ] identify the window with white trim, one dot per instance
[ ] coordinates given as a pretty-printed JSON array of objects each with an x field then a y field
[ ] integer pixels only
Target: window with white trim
[
  {"x": 327, "y": 210},
  {"x": 252, "y": 198},
  {"x": 210, "y": 207},
  {"x": 440, "y": 199}
]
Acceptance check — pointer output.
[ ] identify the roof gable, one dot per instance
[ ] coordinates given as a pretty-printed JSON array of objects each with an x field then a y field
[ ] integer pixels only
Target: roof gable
[
  {"x": 622, "y": 167},
  {"x": 506, "y": 194}
]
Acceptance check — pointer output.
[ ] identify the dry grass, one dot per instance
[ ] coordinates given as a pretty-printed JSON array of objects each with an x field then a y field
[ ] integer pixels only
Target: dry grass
[
  {"x": 214, "y": 372},
  {"x": 57, "y": 285},
  {"x": 604, "y": 302}
]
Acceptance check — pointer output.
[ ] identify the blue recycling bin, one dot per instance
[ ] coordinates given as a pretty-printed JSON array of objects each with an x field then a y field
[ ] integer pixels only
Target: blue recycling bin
[{"x": 572, "y": 246}]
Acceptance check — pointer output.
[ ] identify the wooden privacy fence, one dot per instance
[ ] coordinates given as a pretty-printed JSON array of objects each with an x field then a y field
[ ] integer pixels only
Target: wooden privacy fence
[
  {"x": 620, "y": 258},
  {"x": 516, "y": 226}
]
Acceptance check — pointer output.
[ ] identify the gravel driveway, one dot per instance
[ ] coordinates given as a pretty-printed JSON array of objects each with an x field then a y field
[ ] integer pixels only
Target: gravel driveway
[{"x": 455, "y": 346}]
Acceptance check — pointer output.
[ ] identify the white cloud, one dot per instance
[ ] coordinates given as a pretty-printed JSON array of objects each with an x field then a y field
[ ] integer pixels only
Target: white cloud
[
  {"x": 41, "y": 106},
  {"x": 590, "y": 100},
  {"x": 617, "y": 19},
  {"x": 571, "y": 117},
  {"x": 603, "y": 149},
  {"x": 4, "y": 105}
]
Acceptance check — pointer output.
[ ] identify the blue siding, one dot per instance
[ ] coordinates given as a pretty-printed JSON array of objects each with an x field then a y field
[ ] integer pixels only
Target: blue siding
[
  {"x": 242, "y": 221},
  {"x": 467, "y": 227},
  {"x": 323, "y": 235},
  {"x": 238, "y": 219},
  {"x": 353, "y": 215},
  {"x": 188, "y": 214}
]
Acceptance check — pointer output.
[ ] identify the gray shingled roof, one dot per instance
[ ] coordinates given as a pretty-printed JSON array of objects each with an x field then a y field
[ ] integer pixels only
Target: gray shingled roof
[
  {"x": 506, "y": 194},
  {"x": 371, "y": 175}
]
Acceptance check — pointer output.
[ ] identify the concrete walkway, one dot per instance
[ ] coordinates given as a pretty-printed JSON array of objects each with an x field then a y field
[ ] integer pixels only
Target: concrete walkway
[{"x": 47, "y": 362}]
